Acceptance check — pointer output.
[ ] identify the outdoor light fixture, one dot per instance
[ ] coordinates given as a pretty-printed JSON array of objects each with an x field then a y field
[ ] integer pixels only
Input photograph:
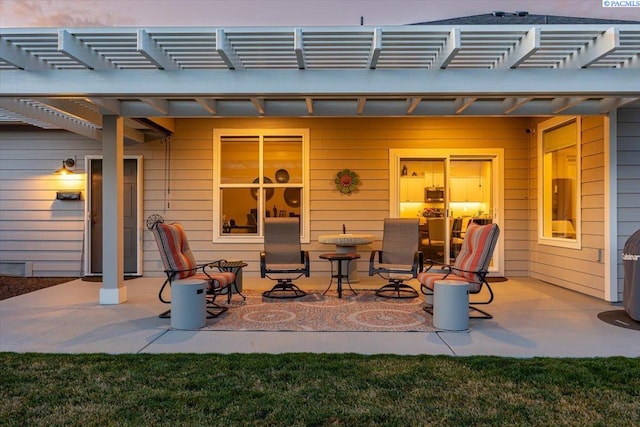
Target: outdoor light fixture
[{"x": 66, "y": 164}]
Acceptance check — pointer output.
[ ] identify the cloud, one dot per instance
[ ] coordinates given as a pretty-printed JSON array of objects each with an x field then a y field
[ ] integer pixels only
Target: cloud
[{"x": 56, "y": 13}]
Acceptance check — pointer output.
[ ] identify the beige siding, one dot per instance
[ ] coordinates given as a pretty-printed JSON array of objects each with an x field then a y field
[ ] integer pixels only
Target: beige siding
[
  {"x": 35, "y": 227},
  {"x": 576, "y": 269},
  {"x": 360, "y": 144},
  {"x": 628, "y": 209}
]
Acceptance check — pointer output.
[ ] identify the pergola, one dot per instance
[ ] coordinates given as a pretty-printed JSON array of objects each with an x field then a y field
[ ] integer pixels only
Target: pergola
[{"x": 114, "y": 83}]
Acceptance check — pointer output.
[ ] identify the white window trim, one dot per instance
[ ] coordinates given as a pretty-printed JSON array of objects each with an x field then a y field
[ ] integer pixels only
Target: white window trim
[
  {"x": 219, "y": 133},
  {"x": 561, "y": 242}
]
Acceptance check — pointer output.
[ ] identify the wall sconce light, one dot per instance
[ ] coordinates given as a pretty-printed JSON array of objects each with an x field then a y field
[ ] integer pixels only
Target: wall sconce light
[{"x": 66, "y": 164}]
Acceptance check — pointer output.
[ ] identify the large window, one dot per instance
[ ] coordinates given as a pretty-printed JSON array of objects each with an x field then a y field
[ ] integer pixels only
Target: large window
[
  {"x": 258, "y": 174},
  {"x": 559, "y": 182}
]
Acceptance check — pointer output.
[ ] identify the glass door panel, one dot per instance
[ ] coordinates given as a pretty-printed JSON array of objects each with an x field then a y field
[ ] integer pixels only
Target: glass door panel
[
  {"x": 470, "y": 197},
  {"x": 423, "y": 195}
]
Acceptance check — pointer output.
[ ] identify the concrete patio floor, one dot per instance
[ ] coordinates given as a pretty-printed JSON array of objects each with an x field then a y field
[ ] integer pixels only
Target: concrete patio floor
[{"x": 531, "y": 318}]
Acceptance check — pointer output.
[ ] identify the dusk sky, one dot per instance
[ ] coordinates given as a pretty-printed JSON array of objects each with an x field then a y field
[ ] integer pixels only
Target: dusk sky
[{"x": 232, "y": 13}]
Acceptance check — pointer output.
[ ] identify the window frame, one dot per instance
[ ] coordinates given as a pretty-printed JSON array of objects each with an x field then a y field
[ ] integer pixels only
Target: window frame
[
  {"x": 548, "y": 125},
  {"x": 218, "y": 134}
]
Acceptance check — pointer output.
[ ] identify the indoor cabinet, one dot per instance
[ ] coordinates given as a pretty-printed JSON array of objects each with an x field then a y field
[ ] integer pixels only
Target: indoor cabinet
[
  {"x": 467, "y": 189},
  {"x": 412, "y": 189}
]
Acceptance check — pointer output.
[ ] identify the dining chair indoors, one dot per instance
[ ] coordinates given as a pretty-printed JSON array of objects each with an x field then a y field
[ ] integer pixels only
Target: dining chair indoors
[
  {"x": 283, "y": 259},
  {"x": 179, "y": 264},
  {"x": 471, "y": 266},
  {"x": 399, "y": 259}
]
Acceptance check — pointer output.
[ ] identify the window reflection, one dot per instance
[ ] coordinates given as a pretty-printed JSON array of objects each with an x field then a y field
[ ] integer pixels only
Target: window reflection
[
  {"x": 239, "y": 211},
  {"x": 560, "y": 181}
]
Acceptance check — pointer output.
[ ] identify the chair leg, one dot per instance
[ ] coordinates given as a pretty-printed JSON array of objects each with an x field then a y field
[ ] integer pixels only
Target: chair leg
[
  {"x": 484, "y": 314},
  {"x": 285, "y": 288},
  {"x": 397, "y": 290}
]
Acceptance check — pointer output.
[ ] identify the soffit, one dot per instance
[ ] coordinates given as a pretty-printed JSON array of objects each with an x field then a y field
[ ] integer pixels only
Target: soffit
[{"x": 74, "y": 75}]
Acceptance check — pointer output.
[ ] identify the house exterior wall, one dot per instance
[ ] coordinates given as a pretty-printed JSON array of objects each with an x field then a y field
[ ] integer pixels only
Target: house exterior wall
[
  {"x": 35, "y": 227},
  {"x": 581, "y": 269},
  {"x": 628, "y": 182}
]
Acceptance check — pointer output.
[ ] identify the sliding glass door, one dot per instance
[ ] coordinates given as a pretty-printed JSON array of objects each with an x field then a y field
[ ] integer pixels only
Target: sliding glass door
[{"x": 446, "y": 191}]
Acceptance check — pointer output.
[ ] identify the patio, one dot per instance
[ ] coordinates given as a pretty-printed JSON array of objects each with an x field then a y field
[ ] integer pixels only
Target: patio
[{"x": 531, "y": 318}]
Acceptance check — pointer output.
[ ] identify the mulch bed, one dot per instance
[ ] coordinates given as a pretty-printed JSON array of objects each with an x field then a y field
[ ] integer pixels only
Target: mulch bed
[{"x": 12, "y": 286}]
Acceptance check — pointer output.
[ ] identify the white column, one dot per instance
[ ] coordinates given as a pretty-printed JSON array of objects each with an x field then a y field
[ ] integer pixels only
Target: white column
[{"x": 113, "y": 290}]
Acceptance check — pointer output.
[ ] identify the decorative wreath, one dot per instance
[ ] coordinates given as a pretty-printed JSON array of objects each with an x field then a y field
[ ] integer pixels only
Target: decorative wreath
[{"x": 347, "y": 181}]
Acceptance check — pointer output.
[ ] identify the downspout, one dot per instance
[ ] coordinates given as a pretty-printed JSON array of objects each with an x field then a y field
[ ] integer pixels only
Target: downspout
[{"x": 611, "y": 207}]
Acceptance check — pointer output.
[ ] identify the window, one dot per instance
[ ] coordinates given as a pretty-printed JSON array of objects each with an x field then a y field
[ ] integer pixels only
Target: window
[
  {"x": 258, "y": 174},
  {"x": 559, "y": 182}
]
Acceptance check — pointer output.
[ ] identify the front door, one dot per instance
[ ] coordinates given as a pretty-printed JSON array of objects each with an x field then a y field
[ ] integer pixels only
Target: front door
[{"x": 130, "y": 207}]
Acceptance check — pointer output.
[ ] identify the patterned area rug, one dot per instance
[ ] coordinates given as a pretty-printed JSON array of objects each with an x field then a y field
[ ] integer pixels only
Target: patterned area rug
[{"x": 328, "y": 313}]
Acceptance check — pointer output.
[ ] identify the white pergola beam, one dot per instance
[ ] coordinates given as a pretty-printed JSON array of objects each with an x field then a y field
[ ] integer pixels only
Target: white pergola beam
[
  {"x": 18, "y": 58},
  {"x": 512, "y": 104},
  {"x": 527, "y": 46},
  {"x": 592, "y": 82},
  {"x": 601, "y": 46},
  {"x": 160, "y": 105},
  {"x": 208, "y": 104},
  {"x": 226, "y": 52},
  {"x": 150, "y": 49},
  {"x": 49, "y": 116},
  {"x": 74, "y": 48},
  {"x": 609, "y": 104},
  {"x": 259, "y": 104},
  {"x": 462, "y": 104},
  {"x": 309, "y": 103},
  {"x": 412, "y": 104},
  {"x": 72, "y": 109},
  {"x": 298, "y": 46},
  {"x": 106, "y": 105},
  {"x": 559, "y": 105},
  {"x": 376, "y": 48},
  {"x": 449, "y": 50}
]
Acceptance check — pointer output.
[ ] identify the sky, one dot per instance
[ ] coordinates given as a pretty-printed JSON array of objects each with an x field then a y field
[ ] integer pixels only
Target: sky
[{"x": 235, "y": 13}]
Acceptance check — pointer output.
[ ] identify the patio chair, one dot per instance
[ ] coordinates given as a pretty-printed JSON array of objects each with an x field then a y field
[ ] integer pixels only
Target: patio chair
[
  {"x": 399, "y": 259},
  {"x": 471, "y": 266},
  {"x": 434, "y": 239},
  {"x": 283, "y": 259},
  {"x": 179, "y": 263}
]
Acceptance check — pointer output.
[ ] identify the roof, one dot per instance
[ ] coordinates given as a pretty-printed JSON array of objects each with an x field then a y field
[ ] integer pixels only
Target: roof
[
  {"x": 524, "y": 18},
  {"x": 69, "y": 77}
]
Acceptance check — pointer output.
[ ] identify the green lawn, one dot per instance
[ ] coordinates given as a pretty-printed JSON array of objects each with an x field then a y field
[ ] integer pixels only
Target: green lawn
[{"x": 315, "y": 390}]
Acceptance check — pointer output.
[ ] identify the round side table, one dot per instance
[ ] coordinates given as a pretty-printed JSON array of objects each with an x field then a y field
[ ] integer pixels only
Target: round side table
[{"x": 340, "y": 258}]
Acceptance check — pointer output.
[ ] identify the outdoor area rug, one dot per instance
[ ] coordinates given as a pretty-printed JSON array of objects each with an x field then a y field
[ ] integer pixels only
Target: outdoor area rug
[{"x": 324, "y": 313}]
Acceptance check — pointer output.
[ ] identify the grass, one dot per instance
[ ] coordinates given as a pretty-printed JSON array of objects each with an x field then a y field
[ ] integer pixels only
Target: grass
[{"x": 315, "y": 390}]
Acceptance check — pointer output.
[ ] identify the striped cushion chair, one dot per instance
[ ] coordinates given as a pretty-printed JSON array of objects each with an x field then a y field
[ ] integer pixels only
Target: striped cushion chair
[
  {"x": 179, "y": 263},
  {"x": 471, "y": 266}
]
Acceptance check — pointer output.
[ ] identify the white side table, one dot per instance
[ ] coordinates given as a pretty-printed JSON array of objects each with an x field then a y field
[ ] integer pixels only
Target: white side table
[
  {"x": 451, "y": 305},
  {"x": 188, "y": 304}
]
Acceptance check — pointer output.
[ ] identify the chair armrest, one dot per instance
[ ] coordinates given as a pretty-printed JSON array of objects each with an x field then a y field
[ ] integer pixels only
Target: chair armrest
[
  {"x": 372, "y": 261},
  {"x": 480, "y": 273},
  {"x": 431, "y": 263},
  {"x": 304, "y": 259},
  {"x": 417, "y": 263},
  {"x": 263, "y": 264}
]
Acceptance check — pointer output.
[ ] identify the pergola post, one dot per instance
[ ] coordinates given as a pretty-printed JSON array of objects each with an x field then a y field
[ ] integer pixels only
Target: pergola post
[{"x": 113, "y": 290}]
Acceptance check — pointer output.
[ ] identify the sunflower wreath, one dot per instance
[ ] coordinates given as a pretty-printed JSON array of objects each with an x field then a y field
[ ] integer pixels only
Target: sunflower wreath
[{"x": 347, "y": 181}]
